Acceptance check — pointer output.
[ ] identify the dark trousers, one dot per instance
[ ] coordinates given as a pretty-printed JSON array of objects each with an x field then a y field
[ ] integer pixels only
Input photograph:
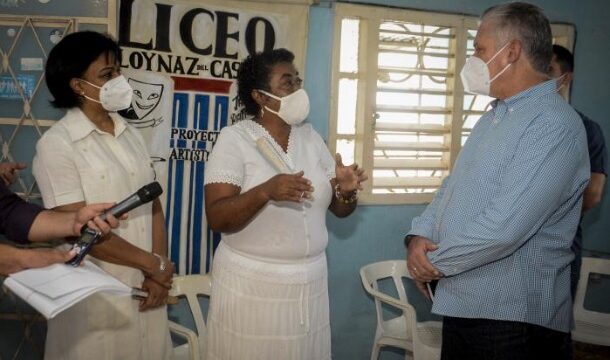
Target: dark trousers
[{"x": 483, "y": 339}]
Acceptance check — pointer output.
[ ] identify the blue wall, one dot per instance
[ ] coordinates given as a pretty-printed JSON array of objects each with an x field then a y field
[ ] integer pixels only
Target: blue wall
[{"x": 375, "y": 233}]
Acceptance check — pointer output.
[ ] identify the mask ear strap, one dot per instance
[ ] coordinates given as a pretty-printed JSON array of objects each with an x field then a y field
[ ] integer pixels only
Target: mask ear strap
[
  {"x": 562, "y": 85},
  {"x": 90, "y": 98},
  {"x": 272, "y": 111},
  {"x": 269, "y": 94},
  {"x": 267, "y": 108},
  {"x": 497, "y": 53},
  {"x": 87, "y": 82},
  {"x": 500, "y": 73}
]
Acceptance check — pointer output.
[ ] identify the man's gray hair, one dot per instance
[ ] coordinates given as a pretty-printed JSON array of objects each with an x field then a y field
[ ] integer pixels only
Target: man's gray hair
[{"x": 527, "y": 23}]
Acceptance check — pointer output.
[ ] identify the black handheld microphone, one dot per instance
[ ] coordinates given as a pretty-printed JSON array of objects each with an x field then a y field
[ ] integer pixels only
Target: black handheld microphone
[
  {"x": 146, "y": 194},
  {"x": 88, "y": 237}
]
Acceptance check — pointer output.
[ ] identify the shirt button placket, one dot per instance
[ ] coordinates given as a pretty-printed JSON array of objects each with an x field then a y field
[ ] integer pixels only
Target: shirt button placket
[{"x": 306, "y": 228}]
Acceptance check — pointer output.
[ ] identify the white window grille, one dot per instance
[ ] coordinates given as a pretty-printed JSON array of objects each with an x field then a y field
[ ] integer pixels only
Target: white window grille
[{"x": 398, "y": 106}]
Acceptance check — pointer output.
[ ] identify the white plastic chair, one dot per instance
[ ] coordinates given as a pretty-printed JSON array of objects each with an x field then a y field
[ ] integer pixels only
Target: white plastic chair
[
  {"x": 191, "y": 286},
  {"x": 591, "y": 327},
  {"x": 421, "y": 340}
]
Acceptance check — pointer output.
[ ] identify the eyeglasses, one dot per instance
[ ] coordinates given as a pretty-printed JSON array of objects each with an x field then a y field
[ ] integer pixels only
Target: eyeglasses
[{"x": 292, "y": 83}]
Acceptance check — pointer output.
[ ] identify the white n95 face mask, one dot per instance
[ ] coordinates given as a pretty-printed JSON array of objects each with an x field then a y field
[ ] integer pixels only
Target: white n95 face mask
[
  {"x": 294, "y": 108},
  {"x": 475, "y": 74},
  {"x": 115, "y": 94}
]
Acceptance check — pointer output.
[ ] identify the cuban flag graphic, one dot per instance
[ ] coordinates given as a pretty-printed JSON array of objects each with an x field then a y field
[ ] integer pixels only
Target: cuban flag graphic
[{"x": 200, "y": 111}]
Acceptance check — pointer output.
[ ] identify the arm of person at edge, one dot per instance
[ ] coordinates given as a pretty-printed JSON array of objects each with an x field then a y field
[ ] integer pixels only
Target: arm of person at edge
[
  {"x": 157, "y": 292},
  {"x": 594, "y": 191},
  {"x": 420, "y": 243},
  {"x": 49, "y": 225},
  {"x": 8, "y": 170},
  {"x": 524, "y": 204},
  {"x": 350, "y": 179},
  {"x": 598, "y": 158},
  {"x": 114, "y": 249}
]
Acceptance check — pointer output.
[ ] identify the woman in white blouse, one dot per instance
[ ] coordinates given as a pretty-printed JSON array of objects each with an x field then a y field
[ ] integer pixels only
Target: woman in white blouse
[
  {"x": 93, "y": 155},
  {"x": 269, "y": 182}
]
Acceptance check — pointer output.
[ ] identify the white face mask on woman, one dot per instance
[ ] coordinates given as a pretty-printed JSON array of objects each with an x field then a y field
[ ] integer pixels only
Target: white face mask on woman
[
  {"x": 294, "y": 108},
  {"x": 475, "y": 74},
  {"x": 115, "y": 94}
]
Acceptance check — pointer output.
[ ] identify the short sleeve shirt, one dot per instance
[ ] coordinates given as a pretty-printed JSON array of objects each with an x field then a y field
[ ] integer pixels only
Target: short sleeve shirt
[{"x": 281, "y": 230}]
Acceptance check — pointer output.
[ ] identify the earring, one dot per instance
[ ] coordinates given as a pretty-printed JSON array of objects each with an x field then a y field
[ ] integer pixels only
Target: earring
[{"x": 262, "y": 112}]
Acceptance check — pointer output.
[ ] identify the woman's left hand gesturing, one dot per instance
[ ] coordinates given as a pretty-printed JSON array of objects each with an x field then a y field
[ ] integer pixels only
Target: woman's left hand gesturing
[{"x": 350, "y": 177}]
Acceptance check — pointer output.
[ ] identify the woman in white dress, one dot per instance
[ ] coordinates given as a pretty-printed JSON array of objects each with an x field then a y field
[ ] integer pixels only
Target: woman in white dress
[
  {"x": 93, "y": 155},
  {"x": 269, "y": 182}
]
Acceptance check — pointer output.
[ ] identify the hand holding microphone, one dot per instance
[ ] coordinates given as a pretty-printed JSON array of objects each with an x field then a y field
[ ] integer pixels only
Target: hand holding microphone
[
  {"x": 90, "y": 216},
  {"x": 90, "y": 236}
]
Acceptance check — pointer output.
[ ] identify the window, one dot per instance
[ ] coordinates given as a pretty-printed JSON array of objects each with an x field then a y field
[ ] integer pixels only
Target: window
[{"x": 398, "y": 107}]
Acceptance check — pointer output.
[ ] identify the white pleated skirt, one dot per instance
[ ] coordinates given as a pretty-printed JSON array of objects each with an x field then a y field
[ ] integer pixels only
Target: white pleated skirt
[{"x": 262, "y": 310}]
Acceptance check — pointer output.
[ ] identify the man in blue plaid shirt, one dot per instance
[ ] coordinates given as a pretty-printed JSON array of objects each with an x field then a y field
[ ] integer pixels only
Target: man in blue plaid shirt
[{"x": 497, "y": 235}]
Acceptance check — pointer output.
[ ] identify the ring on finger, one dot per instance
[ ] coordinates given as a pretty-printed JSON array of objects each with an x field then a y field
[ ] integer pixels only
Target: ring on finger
[{"x": 302, "y": 194}]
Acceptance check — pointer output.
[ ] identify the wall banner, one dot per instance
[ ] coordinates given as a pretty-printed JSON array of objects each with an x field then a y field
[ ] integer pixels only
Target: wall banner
[
  {"x": 181, "y": 58},
  {"x": 9, "y": 90}
]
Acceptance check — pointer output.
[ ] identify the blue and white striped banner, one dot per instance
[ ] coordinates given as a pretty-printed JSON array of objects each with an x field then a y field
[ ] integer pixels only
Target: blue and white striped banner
[{"x": 200, "y": 111}]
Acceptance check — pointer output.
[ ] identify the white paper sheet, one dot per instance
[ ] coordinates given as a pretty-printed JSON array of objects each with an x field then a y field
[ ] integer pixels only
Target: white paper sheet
[{"x": 53, "y": 289}]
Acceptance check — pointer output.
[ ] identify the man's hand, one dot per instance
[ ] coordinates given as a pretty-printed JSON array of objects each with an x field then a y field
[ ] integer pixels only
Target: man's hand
[
  {"x": 7, "y": 171},
  {"x": 157, "y": 295},
  {"x": 13, "y": 259},
  {"x": 420, "y": 268},
  {"x": 90, "y": 215},
  {"x": 423, "y": 288}
]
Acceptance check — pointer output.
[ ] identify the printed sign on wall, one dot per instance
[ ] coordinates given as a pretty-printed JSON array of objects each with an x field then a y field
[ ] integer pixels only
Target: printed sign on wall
[
  {"x": 9, "y": 90},
  {"x": 182, "y": 58}
]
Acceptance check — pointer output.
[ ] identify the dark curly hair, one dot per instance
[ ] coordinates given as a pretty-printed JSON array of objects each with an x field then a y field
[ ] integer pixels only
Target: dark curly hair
[
  {"x": 254, "y": 73},
  {"x": 70, "y": 58}
]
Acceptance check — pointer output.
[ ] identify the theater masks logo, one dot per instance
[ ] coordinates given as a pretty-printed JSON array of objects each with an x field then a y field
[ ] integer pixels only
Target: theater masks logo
[{"x": 146, "y": 98}]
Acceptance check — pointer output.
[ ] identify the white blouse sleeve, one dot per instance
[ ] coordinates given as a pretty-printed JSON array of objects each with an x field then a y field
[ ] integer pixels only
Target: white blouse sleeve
[
  {"x": 53, "y": 167},
  {"x": 226, "y": 163}
]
